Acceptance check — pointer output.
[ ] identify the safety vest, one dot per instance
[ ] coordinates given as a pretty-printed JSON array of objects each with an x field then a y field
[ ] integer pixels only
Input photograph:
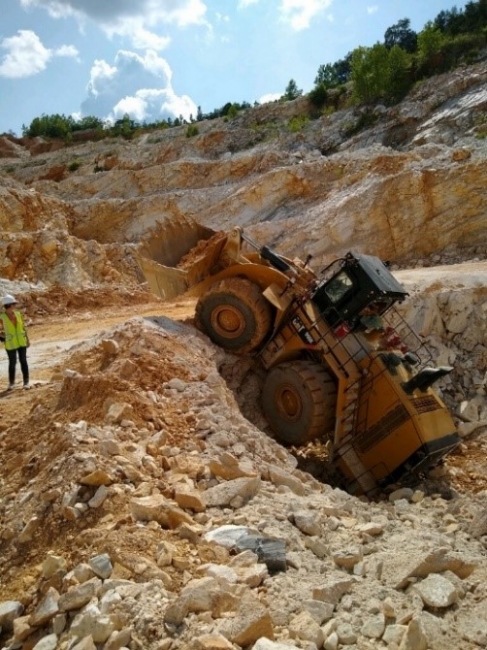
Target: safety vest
[{"x": 15, "y": 335}]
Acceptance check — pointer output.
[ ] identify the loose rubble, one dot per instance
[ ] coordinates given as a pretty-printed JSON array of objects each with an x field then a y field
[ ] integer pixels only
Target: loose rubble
[{"x": 152, "y": 515}]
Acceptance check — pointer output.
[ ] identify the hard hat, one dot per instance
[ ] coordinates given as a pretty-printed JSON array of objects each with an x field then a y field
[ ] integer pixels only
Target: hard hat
[{"x": 8, "y": 300}]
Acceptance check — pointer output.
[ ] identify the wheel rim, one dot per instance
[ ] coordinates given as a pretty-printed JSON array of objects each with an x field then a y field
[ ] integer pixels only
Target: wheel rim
[
  {"x": 289, "y": 403},
  {"x": 227, "y": 321}
]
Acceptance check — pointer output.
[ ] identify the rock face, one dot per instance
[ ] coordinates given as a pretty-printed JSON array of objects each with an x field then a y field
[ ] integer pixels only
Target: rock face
[
  {"x": 408, "y": 187},
  {"x": 140, "y": 504}
]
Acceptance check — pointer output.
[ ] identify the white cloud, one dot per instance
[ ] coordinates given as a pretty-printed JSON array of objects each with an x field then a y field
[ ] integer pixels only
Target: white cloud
[
  {"x": 139, "y": 86},
  {"x": 145, "y": 40},
  {"x": 115, "y": 16},
  {"x": 26, "y": 55},
  {"x": 136, "y": 107},
  {"x": 134, "y": 18},
  {"x": 269, "y": 97},
  {"x": 178, "y": 105},
  {"x": 372, "y": 9},
  {"x": 299, "y": 13},
  {"x": 68, "y": 51},
  {"x": 242, "y": 4},
  {"x": 101, "y": 75},
  {"x": 150, "y": 105}
]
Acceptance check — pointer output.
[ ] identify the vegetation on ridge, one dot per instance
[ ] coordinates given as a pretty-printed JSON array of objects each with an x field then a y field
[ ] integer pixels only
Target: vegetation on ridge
[{"x": 382, "y": 73}]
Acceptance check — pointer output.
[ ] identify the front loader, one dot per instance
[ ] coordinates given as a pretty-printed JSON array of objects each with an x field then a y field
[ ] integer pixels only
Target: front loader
[{"x": 364, "y": 390}]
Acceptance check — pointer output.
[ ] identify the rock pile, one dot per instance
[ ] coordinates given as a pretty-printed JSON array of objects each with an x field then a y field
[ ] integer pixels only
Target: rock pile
[{"x": 151, "y": 514}]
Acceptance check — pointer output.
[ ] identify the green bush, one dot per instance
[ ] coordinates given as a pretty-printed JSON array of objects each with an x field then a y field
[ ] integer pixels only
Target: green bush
[
  {"x": 380, "y": 74},
  {"x": 192, "y": 130},
  {"x": 73, "y": 166},
  {"x": 292, "y": 92},
  {"x": 481, "y": 127},
  {"x": 297, "y": 123},
  {"x": 319, "y": 95}
]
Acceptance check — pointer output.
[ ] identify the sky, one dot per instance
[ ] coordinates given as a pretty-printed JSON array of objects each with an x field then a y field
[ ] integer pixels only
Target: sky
[{"x": 154, "y": 59}]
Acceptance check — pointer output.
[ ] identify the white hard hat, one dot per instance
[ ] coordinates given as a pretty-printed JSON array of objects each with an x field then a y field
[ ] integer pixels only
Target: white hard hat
[{"x": 8, "y": 300}]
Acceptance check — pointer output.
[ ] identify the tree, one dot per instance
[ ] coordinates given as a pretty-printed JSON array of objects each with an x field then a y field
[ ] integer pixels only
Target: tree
[
  {"x": 225, "y": 108},
  {"x": 327, "y": 76},
  {"x": 292, "y": 91},
  {"x": 319, "y": 95},
  {"x": 369, "y": 69},
  {"x": 332, "y": 75},
  {"x": 51, "y": 126},
  {"x": 475, "y": 16},
  {"x": 430, "y": 42},
  {"x": 399, "y": 78},
  {"x": 449, "y": 22},
  {"x": 343, "y": 68},
  {"x": 402, "y": 35},
  {"x": 124, "y": 127},
  {"x": 88, "y": 122},
  {"x": 380, "y": 74}
]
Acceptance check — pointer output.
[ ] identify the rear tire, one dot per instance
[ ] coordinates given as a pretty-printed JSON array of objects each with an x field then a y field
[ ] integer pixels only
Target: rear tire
[
  {"x": 235, "y": 315},
  {"x": 299, "y": 401}
]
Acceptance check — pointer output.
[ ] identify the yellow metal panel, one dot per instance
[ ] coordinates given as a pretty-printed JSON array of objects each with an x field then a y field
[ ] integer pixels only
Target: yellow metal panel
[{"x": 394, "y": 429}]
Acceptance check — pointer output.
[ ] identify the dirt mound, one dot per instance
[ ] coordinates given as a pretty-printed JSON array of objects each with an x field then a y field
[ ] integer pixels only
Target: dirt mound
[
  {"x": 115, "y": 382},
  {"x": 200, "y": 251},
  {"x": 65, "y": 301}
]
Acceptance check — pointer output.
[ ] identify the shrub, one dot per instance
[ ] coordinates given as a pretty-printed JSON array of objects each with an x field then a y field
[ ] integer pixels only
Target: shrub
[
  {"x": 292, "y": 91},
  {"x": 319, "y": 95},
  {"x": 192, "y": 130},
  {"x": 73, "y": 166},
  {"x": 481, "y": 127},
  {"x": 297, "y": 123},
  {"x": 380, "y": 74}
]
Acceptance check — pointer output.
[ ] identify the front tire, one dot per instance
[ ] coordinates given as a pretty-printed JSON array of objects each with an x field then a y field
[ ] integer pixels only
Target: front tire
[
  {"x": 299, "y": 401},
  {"x": 235, "y": 315}
]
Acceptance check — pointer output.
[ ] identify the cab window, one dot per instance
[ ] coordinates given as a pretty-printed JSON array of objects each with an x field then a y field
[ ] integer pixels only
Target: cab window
[{"x": 338, "y": 287}]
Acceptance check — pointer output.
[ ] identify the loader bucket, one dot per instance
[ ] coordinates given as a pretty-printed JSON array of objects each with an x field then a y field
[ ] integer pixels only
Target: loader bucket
[{"x": 177, "y": 256}]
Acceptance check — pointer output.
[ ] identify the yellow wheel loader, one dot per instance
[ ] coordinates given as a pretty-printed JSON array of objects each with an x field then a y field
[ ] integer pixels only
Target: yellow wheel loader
[{"x": 341, "y": 364}]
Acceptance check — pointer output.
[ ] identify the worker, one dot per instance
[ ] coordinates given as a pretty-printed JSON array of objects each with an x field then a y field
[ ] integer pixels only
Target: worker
[{"x": 16, "y": 341}]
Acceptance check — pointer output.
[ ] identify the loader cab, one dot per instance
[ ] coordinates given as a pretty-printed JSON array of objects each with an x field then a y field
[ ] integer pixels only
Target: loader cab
[{"x": 353, "y": 283}]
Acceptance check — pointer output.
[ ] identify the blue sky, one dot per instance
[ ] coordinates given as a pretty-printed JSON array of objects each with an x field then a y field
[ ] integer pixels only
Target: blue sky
[{"x": 155, "y": 59}]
